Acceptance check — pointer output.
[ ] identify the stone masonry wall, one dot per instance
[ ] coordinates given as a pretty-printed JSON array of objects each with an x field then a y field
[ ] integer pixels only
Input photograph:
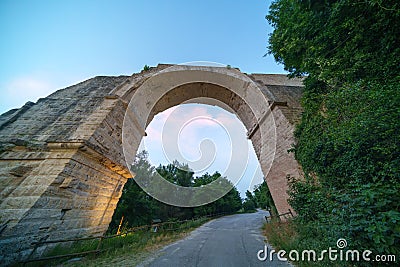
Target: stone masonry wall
[
  {"x": 284, "y": 96},
  {"x": 53, "y": 184},
  {"x": 62, "y": 167}
]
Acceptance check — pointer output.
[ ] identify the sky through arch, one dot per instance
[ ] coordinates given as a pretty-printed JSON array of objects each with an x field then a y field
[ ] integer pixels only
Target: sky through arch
[{"x": 198, "y": 122}]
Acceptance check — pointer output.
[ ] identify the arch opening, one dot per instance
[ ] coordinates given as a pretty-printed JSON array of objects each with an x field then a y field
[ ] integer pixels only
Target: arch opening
[
  {"x": 198, "y": 123},
  {"x": 231, "y": 91}
]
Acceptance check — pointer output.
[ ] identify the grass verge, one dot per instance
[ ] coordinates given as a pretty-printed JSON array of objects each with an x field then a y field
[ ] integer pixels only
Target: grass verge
[
  {"x": 126, "y": 250},
  {"x": 290, "y": 236}
]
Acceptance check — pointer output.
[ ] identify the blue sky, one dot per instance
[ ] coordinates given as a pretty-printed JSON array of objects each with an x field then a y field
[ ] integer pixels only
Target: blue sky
[{"x": 48, "y": 45}]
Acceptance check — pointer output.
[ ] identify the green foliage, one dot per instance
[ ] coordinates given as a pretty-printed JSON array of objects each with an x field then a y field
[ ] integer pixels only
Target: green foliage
[
  {"x": 177, "y": 173},
  {"x": 249, "y": 204},
  {"x": 260, "y": 198},
  {"x": 138, "y": 208},
  {"x": 146, "y": 68},
  {"x": 372, "y": 216},
  {"x": 135, "y": 205},
  {"x": 354, "y": 136},
  {"x": 348, "y": 139},
  {"x": 336, "y": 40},
  {"x": 263, "y": 198}
]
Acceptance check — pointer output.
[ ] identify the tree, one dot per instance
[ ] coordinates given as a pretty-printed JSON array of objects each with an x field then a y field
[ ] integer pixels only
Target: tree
[
  {"x": 177, "y": 173},
  {"x": 264, "y": 199},
  {"x": 249, "y": 204},
  {"x": 135, "y": 205},
  {"x": 230, "y": 202},
  {"x": 335, "y": 41},
  {"x": 347, "y": 141},
  {"x": 139, "y": 208}
]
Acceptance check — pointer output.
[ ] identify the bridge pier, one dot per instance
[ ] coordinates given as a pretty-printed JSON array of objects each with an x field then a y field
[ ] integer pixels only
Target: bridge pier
[{"x": 65, "y": 192}]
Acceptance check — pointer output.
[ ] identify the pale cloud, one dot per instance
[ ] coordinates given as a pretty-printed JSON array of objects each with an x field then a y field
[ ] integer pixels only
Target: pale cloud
[
  {"x": 197, "y": 123},
  {"x": 29, "y": 87},
  {"x": 20, "y": 90},
  {"x": 191, "y": 124},
  {"x": 153, "y": 133},
  {"x": 228, "y": 119},
  {"x": 165, "y": 114}
]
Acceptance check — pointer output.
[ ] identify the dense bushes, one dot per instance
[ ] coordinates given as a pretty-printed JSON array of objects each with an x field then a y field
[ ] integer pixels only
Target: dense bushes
[{"x": 348, "y": 141}]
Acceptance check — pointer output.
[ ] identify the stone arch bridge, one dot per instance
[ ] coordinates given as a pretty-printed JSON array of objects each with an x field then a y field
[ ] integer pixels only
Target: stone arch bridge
[{"x": 62, "y": 166}]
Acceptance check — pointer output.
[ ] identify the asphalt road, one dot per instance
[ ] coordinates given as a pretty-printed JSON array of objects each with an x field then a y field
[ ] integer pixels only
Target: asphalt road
[{"x": 228, "y": 241}]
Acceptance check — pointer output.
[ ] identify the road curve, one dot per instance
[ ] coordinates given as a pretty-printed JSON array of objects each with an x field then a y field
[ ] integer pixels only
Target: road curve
[{"x": 228, "y": 241}]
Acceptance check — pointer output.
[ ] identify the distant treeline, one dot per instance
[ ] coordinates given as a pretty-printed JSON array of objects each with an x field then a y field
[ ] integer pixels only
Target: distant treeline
[{"x": 139, "y": 208}]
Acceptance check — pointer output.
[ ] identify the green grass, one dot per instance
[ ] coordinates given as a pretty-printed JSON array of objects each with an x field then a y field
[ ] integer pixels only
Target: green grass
[
  {"x": 127, "y": 250},
  {"x": 285, "y": 236}
]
